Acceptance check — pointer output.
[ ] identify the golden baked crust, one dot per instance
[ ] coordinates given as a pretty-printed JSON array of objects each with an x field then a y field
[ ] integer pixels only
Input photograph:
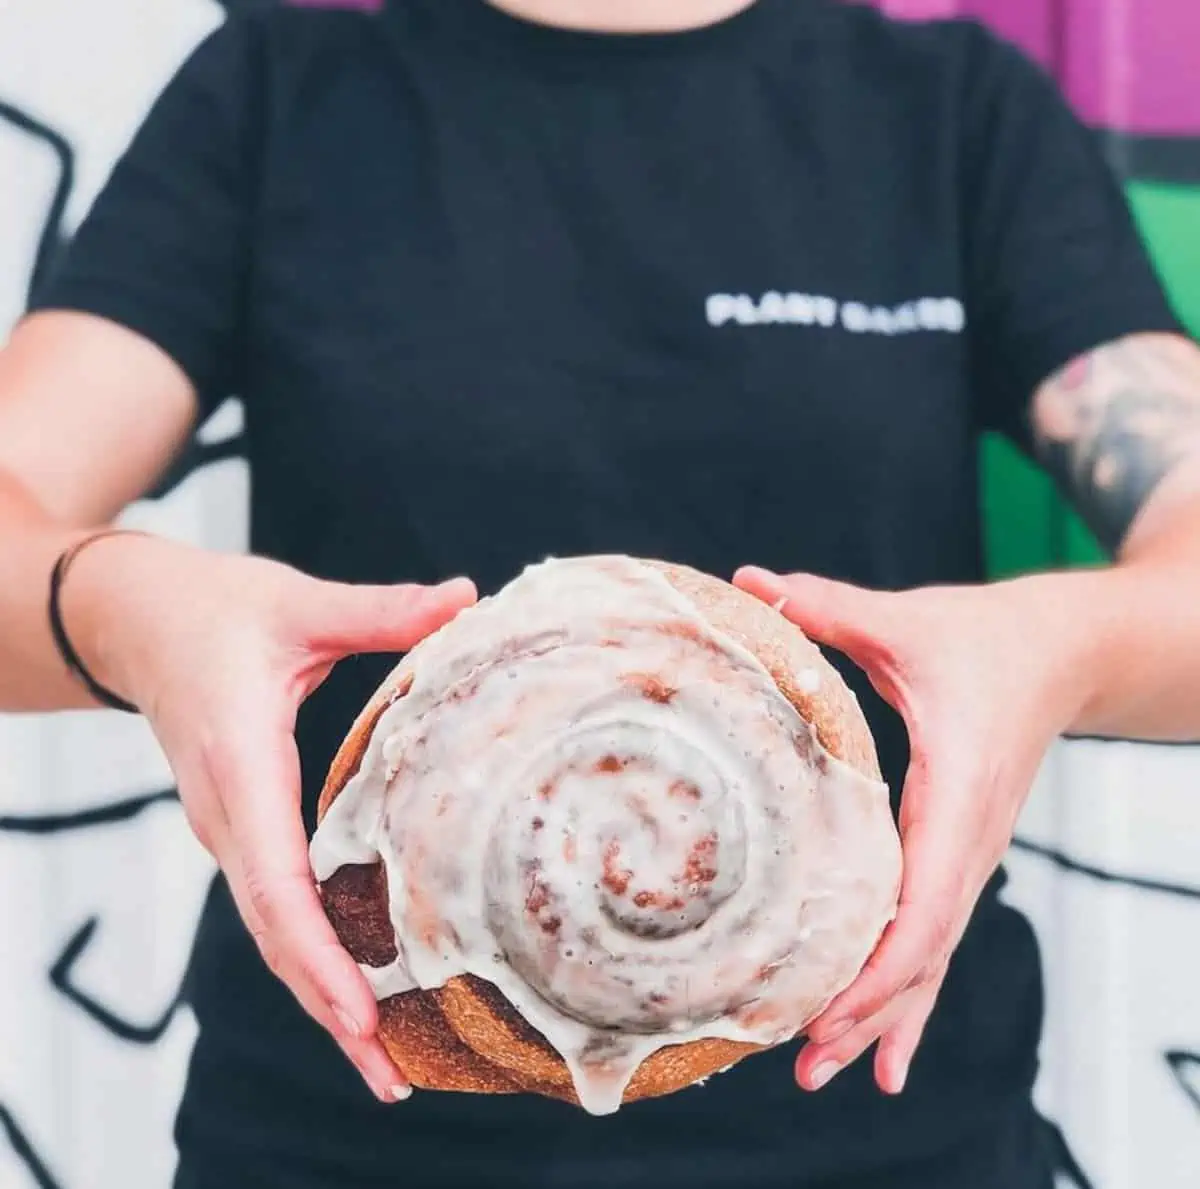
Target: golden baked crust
[{"x": 466, "y": 1036}]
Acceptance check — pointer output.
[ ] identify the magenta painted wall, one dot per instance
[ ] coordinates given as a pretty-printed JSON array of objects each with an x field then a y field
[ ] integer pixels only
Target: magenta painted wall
[
  {"x": 1130, "y": 65},
  {"x": 1134, "y": 65}
]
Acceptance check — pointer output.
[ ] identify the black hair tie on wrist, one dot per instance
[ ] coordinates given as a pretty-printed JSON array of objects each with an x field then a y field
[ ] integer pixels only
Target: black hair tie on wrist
[{"x": 62, "y": 641}]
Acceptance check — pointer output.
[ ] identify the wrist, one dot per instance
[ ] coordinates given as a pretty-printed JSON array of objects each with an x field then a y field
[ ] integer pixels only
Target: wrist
[
  {"x": 102, "y": 604},
  {"x": 1074, "y": 621}
]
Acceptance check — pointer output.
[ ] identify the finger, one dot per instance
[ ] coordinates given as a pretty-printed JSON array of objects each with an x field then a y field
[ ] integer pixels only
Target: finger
[
  {"x": 899, "y": 1044},
  {"x": 366, "y": 1054},
  {"x": 819, "y": 1063},
  {"x": 345, "y": 619},
  {"x": 259, "y": 782},
  {"x": 378, "y": 1070},
  {"x": 852, "y": 620},
  {"x": 912, "y": 952},
  {"x": 934, "y": 902}
]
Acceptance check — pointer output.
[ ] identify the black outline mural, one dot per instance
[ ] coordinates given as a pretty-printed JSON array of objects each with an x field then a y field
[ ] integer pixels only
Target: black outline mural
[
  {"x": 1177, "y": 1060},
  {"x": 25, "y": 1151},
  {"x": 123, "y": 1029},
  {"x": 61, "y": 971},
  {"x": 50, "y": 238},
  {"x": 60, "y": 974},
  {"x": 1064, "y": 862},
  {"x": 106, "y": 814},
  {"x": 1180, "y": 1062}
]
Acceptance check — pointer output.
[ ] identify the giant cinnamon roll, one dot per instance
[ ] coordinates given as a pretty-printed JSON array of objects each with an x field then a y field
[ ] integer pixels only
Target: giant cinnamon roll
[{"x": 605, "y": 834}]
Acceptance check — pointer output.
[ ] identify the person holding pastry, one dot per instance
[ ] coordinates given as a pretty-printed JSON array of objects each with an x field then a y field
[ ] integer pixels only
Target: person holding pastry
[{"x": 605, "y": 359}]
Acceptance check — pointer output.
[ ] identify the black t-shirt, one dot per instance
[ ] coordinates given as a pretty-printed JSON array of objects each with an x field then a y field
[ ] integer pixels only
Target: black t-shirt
[{"x": 492, "y": 291}]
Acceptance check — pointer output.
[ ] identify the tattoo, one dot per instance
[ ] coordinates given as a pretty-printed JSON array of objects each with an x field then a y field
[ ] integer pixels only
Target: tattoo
[{"x": 1113, "y": 423}]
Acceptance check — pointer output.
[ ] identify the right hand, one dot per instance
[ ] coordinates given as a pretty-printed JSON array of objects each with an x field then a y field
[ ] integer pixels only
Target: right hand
[{"x": 218, "y": 652}]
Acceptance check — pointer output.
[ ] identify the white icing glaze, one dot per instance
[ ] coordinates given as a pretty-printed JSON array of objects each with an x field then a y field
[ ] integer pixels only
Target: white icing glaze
[{"x": 607, "y": 809}]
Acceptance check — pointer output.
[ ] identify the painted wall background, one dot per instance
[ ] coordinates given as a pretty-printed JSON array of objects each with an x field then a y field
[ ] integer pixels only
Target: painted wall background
[{"x": 100, "y": 882}]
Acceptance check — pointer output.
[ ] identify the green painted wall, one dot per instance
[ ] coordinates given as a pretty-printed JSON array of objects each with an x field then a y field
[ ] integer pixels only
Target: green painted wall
[{"x": 1026, "y": 525}]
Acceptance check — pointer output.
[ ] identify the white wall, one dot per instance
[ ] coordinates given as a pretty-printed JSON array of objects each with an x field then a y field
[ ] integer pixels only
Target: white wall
[{"x": 86, "y": 1101}]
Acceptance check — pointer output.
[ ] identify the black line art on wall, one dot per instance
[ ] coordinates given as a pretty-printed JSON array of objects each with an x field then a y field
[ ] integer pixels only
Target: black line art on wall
[
  {"x": 25, "y": 1152},
  {"x": 107, "y": 1018}
]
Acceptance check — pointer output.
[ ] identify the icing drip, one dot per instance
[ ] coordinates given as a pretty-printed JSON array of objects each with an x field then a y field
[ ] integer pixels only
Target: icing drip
[{"x": 607, "y": 809}]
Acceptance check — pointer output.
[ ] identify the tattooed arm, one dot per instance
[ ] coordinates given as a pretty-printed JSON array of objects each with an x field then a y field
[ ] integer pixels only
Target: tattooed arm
[
  {"x": 1119, "y": 429},
  {"x": 1114, "y": 424}
]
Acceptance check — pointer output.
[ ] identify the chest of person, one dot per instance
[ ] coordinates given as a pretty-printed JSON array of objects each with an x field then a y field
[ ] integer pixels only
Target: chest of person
[{"x": 613, "y": 304}]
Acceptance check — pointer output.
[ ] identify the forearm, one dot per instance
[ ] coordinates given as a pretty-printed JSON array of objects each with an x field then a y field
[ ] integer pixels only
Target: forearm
[
  {"x": 32, "y": 674},
  {"x": 1147, "y": 669},
  {"x": 1126, "y": 639},
  {"x": 1119, "y": 429}
]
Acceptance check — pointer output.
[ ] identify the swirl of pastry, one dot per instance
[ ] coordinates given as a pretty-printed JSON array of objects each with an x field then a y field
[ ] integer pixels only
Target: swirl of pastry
[{"x": 610, "y": 827}]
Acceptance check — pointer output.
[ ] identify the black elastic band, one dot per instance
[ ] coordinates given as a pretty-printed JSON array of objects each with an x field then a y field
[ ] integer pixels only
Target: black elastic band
[{"x": 58, "y": 630}]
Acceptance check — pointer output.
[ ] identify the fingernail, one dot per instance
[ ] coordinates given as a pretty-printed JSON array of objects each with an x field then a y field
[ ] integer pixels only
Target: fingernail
[
  {"x": 822, "y": 1074},
  {"x": 349, "y": 1024},
  {"x": 898, "y": 1077},
  {"x": 454, "y": 583},
  {"x": 767, "y": 577},
  {"x": 775, "y": 587},
  {"x": 399, "y": 1092}
]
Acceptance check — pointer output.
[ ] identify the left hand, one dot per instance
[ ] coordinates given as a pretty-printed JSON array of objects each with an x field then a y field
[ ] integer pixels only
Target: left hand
[{"x": 985, "y": 678}]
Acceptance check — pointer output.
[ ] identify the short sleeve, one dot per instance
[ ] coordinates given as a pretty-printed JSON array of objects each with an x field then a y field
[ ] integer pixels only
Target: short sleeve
[
  {"x": 1055, "y": 263},
  {"x": 164, "y": 249}
]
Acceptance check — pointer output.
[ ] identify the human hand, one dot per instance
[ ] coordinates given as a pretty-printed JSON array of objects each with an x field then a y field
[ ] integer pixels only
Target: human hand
[
  {"x": 219, "y": 652},
  {"x": 985, "y": 678}
]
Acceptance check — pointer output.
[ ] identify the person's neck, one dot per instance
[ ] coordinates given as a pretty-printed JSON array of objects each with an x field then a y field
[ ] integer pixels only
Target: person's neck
[{"x": 623, "y": 16}]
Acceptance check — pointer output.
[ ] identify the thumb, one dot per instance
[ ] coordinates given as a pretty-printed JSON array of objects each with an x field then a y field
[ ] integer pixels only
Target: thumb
[
  {"x": 345, "y": 618},
  {"x": 851, "y": 619}
]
